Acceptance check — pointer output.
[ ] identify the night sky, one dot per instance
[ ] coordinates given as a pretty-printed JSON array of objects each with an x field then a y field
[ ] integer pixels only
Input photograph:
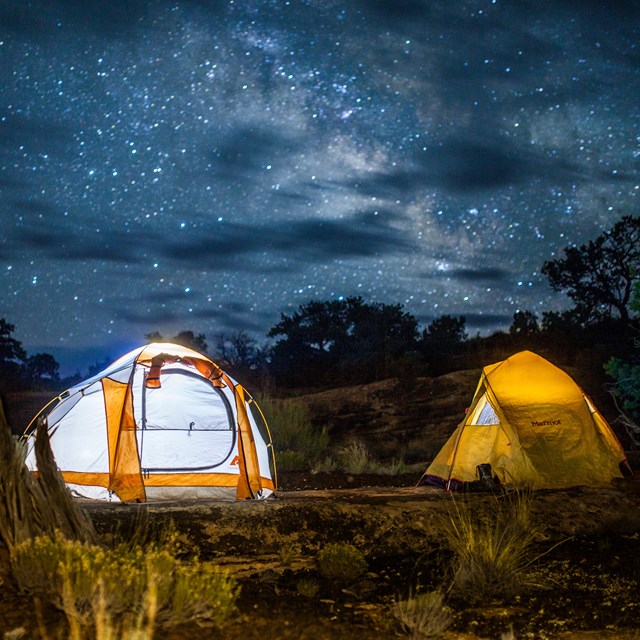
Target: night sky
[{"x": 208, "y": 165}]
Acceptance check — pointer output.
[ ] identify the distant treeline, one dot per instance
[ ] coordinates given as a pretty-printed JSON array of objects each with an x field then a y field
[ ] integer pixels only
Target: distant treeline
[{"x": 350, "y": 341}]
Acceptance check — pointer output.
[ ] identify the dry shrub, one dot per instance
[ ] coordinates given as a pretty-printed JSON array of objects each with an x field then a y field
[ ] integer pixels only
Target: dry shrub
[
  {"x": 508, "y": 635},
  {"x": 128, "y": 627},
  {"x": 354, "y": 457},
  {"x": 151, "y": 534},
  {"x": 198, "y": 593},
  {"x": 341, "y": 562},
  {"x": 492, "y": 548},
  {"x": 423, "y": 615},
  {"x": 95, "y": 586},
  {"x": 395, "y": 467},
  {"x": 68, "y": 517},
  {"x": 326, "y": 465}
]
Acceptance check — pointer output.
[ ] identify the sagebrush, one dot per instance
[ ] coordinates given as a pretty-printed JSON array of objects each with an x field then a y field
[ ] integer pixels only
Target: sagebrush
[
  {"x": 91, "y": 584},
  {"x": 341, "y": 562}
]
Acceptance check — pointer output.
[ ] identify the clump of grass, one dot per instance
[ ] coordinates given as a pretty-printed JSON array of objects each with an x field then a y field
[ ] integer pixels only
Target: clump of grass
[
  {"x": 200, "y": 593},
  {"x": 354, "y": 457},
  {"x": 19, "y": 633},
  {"x": 393, "y": 468},
  {"x": 307, "y": 588},
  {"x": 298, "y": 444},
  {"x": 94, "y": 586},
  {"x": 341, "y": 562},
  {"x": 423, "y": 615},
  {"x": 326, "y": 465},
  {"x": 493, "y": 549},
  {"x": 127, "y": 627}
]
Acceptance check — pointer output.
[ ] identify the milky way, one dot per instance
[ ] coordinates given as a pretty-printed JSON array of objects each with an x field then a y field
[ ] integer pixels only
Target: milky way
[{"x": 209, "y": 165}]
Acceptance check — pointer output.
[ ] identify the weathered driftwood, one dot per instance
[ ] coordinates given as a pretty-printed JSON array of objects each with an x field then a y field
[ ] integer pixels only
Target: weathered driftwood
[
  {"x": 68, "y": 516},
  {"x": 31, "y": 506}
]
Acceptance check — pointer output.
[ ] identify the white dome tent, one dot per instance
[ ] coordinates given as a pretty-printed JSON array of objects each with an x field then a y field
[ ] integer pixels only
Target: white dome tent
[{"x": 161, "y": 422}]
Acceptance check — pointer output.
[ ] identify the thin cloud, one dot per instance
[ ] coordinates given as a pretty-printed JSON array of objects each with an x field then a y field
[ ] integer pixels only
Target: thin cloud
[
  {"x": 304, "y": 241},
  {"x": 49, "y": 18},
  {"x": 485, "y": 275},
  {"x": 67, "y": 244}
]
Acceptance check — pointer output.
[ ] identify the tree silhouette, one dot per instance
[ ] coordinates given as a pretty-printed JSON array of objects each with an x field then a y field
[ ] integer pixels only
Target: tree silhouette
[
  {"x": 42, "y": 367},
  {"x": 236, "y": 349},
  {"x": 16, "y": 369},
  {"x": 192, "y": 341},
  {"x": 599, "y": 276},
  {"x": 441, "y": 340},
  {"x": 238, "y": 354},
  {"x": 154, "y": 336},
  {"x": 347, "y": 338},
  {"x": 447, "y": 329},
  {"x": 12, "y": 357},
  {"x": 11, "y": 350},
  {"x": 525, "y": 323}
]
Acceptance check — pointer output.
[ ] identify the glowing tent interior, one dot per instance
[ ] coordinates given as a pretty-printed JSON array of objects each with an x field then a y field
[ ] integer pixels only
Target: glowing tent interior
[
  {"x": 161, "y": 422},
  {"x": 535, "y": 426}
]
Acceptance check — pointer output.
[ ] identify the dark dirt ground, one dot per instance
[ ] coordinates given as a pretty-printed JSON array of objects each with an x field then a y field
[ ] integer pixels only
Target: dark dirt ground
[{"x": 588, "y": 575}]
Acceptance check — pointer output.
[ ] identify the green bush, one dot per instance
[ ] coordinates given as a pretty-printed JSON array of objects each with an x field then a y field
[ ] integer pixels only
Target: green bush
[
  {"x": 288, "y": 460},
  {"x": 297, "y": 443},
  {"x": 341, "y": 562},
  {"x": 626, "y": 376},
  {"x": 199, "y": 593},
  {"x": 626, "y": 387},
  {"x": 326, "y": 465},
  {"x": 396, "y": 467}
]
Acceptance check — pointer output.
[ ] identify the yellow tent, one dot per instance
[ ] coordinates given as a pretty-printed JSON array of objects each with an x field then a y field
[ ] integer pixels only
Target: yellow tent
[{"x": 534, "y": 425}]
